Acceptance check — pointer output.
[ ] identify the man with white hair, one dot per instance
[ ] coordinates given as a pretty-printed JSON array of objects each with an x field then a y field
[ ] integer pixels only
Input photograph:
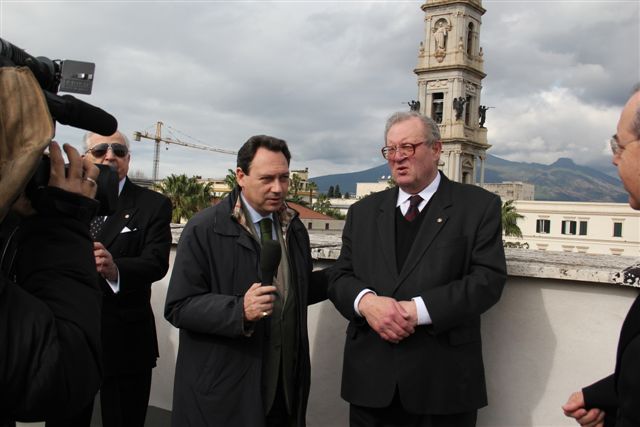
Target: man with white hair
[{"x": 131, "y": 249}]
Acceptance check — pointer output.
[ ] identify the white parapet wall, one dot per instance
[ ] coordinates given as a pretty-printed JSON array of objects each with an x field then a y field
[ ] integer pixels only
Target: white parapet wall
[{"x": 554, "y": 331}]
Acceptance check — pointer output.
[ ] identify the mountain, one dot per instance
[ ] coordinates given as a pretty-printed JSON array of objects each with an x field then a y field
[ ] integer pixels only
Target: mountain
[{"x": 562, "y": 180}]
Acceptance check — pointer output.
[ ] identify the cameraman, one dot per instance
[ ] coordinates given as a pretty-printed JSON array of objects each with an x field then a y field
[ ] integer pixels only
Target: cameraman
[{"x": 49, "y": 302}]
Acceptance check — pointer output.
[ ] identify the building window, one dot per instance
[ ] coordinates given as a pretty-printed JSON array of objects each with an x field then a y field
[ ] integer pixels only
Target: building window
[
  {"x": 310, "y": 226},
  {"x": 583, "y": 228},
  {"x": 470, "y": 38},
  {"x": 437, "y": 107},
  {"x": 467, "y": 111},
  {"x": 617, "y": 229},
  {"x": 543, "y": 226},
  {"x": 326, "y": 226},
  {"x": 569, "y": 227}
]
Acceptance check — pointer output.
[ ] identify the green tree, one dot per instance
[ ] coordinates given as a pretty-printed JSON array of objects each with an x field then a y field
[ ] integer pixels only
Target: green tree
[
  {"x": 391, "y": 182},
  {"x": 187, "y": 195},
  {"x": 510, "y": 218},
  {"x": 312, "y": 187},
  {"x": 330, "y": 192},
  {"x": 230, "y": 179},
  {"x": 323, "y": 205},
  {"x": 295, "y": 183},
  {"x": 336, "y": 192}
]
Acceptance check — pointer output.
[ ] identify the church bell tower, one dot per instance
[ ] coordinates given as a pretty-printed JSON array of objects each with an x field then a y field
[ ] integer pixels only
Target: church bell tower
[{"x": 450, "y": 72}]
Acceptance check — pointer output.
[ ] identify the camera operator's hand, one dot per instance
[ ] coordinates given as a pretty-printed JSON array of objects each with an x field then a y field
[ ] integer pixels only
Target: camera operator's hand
[
  {"x": 104, "y": 262},
  {"x": 82, "y": 174}
]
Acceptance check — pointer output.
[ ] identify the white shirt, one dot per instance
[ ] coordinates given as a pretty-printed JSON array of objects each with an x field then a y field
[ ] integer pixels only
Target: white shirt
[
  {"x": 115, "y": 284},
  {"x": 256, "y": 218},
  {"x": 403, "y": 202}
]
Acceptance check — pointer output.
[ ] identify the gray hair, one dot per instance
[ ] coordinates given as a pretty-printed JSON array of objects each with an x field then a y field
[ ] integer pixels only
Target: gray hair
[
  {"x": 432, "y": 132},
  {"x": 635, "y": 125},
  {"x": 87, "y": 137}
]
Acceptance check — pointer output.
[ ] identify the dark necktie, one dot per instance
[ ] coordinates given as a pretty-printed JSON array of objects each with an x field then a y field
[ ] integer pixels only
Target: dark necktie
[
  {"x": 413, "y": 211},
  {"x": 265, "y": 229},
  {"x": 95, "y": 226}
]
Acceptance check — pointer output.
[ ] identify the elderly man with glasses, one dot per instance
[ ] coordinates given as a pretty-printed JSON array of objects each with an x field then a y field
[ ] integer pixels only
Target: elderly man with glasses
[
  {"x": 419, "y": 264},
  {"x": 131, "y": 249},
  {"x": 613, "y": 401}
]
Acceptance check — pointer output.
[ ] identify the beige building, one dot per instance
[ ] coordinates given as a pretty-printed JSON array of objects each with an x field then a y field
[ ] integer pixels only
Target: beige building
[
  {"x": 584, "y": 227},
  {"x": 365, "y": 188},
  {"x": 510, "y": 190}
]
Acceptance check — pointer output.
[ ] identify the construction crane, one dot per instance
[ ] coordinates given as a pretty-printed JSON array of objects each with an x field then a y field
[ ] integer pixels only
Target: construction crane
[{"x": 137, "y": 136}]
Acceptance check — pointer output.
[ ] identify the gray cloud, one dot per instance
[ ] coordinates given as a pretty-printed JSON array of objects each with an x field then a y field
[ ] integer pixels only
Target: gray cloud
[{"x": 325, "y": 75}]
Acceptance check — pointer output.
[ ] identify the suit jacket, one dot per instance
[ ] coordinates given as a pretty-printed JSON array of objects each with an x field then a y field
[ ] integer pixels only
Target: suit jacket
[
  {"x": 619, "y": 393},
  {"x": 456, "y": 264},
  {"x": 141, "y": 253},
  {"x": 219, "y": 367}
]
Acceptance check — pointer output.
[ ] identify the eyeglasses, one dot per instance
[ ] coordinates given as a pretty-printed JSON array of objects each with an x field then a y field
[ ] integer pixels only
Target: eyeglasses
[
  {"x": 616, "y": 147},
  {"x": 406, "y": 149},
  {"x": 100, "y": 150}
]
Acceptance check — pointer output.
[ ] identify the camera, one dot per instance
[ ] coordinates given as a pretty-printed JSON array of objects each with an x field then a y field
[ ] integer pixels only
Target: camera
[
  {"x": 66, "y": 76},
  {"x": 107, "y": 181},
  {"x": 69, "y": 76}
]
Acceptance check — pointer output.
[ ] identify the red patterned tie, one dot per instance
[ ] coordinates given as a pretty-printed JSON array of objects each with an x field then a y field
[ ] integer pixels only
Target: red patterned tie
[{"x": 413, "y": 211}]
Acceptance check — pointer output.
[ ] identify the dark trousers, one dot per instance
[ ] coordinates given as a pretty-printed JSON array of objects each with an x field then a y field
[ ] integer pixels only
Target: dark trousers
[
  {"x": 279, "y": 415},
  {"x": 123, "y": 400},
  {"x": 395, "y": 415}
]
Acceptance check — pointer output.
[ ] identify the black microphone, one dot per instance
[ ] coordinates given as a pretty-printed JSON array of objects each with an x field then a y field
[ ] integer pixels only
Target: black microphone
[
  {"x": 269, "y": 260},
  {"x": 73, "y": 112}
]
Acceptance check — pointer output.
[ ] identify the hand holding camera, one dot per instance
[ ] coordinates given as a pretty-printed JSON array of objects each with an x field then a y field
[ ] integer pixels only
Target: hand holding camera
[{"x": 80, "y": 178}]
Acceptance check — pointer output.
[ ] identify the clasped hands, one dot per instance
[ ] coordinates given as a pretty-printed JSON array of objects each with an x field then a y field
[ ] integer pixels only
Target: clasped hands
[{"x": 393, "y": 320}]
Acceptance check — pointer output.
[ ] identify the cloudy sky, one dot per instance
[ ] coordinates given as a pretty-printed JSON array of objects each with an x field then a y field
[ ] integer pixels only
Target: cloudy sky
[{"x": 324, "y": 75}]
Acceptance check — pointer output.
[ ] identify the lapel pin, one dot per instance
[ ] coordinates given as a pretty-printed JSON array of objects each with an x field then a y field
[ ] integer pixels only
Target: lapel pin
[
  {"x": 126, "y": 216},
  {"x": 439, "y": 220}
]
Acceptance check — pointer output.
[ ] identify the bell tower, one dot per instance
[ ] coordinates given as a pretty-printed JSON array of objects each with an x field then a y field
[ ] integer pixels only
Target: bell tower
[{"x": 450, "y": 72}]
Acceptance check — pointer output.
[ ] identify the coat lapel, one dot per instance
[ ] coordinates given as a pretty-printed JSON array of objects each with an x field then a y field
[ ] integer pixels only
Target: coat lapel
[
  {"x": 387, "y": 231},
  {"x": 124, "y": 212},
  {"x": 431, "y": 226}
]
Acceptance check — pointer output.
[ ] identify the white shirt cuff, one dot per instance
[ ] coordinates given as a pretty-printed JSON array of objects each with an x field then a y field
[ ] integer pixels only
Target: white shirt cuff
[
  {"x": 358, "y": 298},
  {"x": 423, "y": 313},
  {"x": 115, "y": 285}
]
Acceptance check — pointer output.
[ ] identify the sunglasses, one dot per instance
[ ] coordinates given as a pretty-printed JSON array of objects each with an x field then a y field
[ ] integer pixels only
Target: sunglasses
[{"x": 100, "y": 150}]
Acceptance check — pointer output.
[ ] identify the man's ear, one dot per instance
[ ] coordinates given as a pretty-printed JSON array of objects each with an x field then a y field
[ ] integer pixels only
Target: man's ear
[{"x": 240, "y": 176}]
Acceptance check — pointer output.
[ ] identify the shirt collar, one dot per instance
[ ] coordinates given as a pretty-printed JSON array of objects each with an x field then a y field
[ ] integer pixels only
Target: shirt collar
[
  {"x": 426, "y": 192},
  {"x": 255, "y": 216}
]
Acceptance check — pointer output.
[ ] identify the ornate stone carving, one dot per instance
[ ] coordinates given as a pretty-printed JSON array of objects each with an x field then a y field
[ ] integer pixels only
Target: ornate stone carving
[{"x": 440, "y": 35}]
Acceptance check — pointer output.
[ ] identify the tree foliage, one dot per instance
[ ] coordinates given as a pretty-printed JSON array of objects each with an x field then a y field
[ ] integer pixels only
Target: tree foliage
[
  {"x": 510, "y": 218},
  {"x": 323, "y": 205},
  {"x": 187, "y": 195},
  {"x": 230, "y": 179}
]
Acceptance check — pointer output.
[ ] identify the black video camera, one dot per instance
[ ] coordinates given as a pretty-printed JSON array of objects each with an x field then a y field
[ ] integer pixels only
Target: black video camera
[{"x": 68, "y": 76}]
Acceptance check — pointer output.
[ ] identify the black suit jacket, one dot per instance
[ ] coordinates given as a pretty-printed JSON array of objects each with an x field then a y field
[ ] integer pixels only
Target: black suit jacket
[
  {"x": 141, "y": 253},
  {"x": 619, "y": 393},
  {"x": 457, "y": 266}
]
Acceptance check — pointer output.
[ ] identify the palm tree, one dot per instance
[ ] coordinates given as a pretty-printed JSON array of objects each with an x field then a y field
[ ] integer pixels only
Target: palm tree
[
  {"x": 187, "y": 195},
  {"x": 312, "y": 186},
  {"x": 230, "y": 179},
  {"x": 510, "y": 218}
]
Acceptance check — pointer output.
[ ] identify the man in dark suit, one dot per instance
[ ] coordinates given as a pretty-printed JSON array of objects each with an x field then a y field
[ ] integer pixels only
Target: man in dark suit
[
  {"x": 131, "y": 250},
  {"x": 419, "y": 264},
  {"x": 243, "y": 359},
  {"x": 613, "y": 401}
]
